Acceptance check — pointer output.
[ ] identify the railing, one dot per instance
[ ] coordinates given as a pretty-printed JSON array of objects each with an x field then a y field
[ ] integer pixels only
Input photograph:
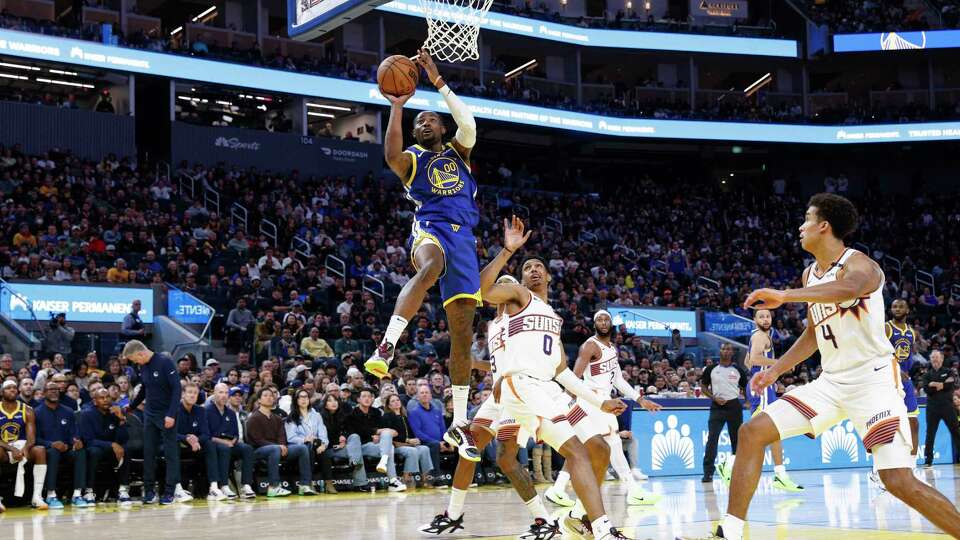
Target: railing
[
  {"x": 552, "y": 223},
  {"x": 336, "y": 266},
  {"x": 206, "y": 327},
  {"x": 165, "y": 167},
  {"x": 587, "y": 237},
  {"x": 39, "y": 331},
  {"x": 659, "y": 266},
  {"x": 375, "y": 281},
  {"x": 302, "y": 247},
  {"x": 955, "y": 291},
  {"x": 708, "y": 285},
  {"x": 925, "y": 279},
  {"x": 894, "y": 263},
  {"x": 521, "y": 211},
  {"x": 187, "y": 184},
  {"x": 238, "y": 214},
  {"x": 860, "y": 246},
  {"x": 628, "y": 253},
  {"x": 269, "y": 229},
  {"x": 211, "y": 197}
]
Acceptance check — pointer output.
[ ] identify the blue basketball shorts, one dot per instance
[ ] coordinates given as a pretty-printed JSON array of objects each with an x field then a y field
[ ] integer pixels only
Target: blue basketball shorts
[{"x": 461, "y": 274}]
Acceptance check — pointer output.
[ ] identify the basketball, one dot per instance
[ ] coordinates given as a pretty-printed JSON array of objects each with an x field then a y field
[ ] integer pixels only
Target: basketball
[{"x": 398, "y": 75}]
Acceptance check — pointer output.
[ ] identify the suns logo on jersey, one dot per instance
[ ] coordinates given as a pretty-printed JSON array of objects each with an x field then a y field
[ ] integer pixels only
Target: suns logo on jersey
[
  {"x": 496, "y": 342},
  {"x": 822, "y": 312},
  {"x": 444, "y": 176},
  {"x": 535, "y": 323},
  {"x": 599, "y": 368}
]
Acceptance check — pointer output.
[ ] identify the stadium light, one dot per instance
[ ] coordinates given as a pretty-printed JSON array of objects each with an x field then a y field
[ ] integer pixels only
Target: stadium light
[
  {"x": 176, "y": 30},
  {"x": 61, "y": 72},
  {"x": 64, "y": 83},
  {"x": 205, "y": 13},
  {"x": 19, "y": 66},
  {"x": 11, "y": 76},
  {"x": 758, "y": 84},
  {"x": 518, "y": 70},
  {"x": 320, "y": 114},
  {"x": 330, "y": 107}
]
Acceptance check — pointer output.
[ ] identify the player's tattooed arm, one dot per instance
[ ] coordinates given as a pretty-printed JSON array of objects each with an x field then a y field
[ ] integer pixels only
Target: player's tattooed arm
[{"x": 504, "y": 293}]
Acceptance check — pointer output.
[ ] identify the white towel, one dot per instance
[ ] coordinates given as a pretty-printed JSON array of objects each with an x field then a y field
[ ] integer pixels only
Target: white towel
[{"x": 19, "y": 487}]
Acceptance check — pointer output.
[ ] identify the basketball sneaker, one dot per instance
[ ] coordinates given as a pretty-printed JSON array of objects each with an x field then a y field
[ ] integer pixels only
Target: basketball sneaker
[
  {"x": 558, "y": 497},
  {"x": 613, "y": 534},
  {"x": 640, "y": 497},
  {"x": 786, "y": 484},
  {"x": 379, "y": 363},
  {"x": 726, "y": 472},
  {"x": 541, "y": 530},
  {"x": 717, "y": 535},
  {"x": 460, "y": 437},
  {"x": 576, "y": 528},
  {"x": 442, "y": 524}
]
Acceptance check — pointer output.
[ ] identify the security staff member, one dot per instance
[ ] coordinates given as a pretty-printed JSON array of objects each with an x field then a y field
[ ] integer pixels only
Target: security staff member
[
  {"x": 939, "y": 384},
  {"x": 133, "y": 326},
  {"x": 722, "y": 383}
]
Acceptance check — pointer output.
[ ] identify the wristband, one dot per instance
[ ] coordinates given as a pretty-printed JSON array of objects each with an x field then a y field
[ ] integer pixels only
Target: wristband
[{"x": 438, "y": 82}]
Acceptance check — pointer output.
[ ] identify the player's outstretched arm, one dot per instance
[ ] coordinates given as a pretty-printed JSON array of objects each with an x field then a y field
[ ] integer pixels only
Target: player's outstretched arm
[
  {"x": 503, "y": 293},
  {"x": 400, "y": 162},
  {"x": 859, "y": 276},
  {"x": 466, "y": 135}
]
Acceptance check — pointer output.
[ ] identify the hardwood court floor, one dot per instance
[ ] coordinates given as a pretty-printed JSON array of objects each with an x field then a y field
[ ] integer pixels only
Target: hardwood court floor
[{"x": 838, "y": 505}]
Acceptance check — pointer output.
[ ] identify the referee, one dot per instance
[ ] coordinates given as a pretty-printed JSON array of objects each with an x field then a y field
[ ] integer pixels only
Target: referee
[
  {"x": 939, "y": 384},
  {"x": 161, "y": 390},
  {"x": 722, "y": 383}
]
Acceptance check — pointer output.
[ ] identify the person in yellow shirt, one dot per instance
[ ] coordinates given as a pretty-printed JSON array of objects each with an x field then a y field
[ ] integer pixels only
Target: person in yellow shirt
[
  {"x": 119, "y": 272},
  {"x": 315, "y": 347},
  {"x": 24, "y": 236}
]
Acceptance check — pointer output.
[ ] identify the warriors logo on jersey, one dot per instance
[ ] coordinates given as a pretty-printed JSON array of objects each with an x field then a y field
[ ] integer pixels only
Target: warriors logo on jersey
[{"x": 13, "y": 425}]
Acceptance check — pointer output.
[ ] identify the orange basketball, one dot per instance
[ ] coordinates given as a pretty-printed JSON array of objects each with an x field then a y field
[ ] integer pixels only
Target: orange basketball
[{"x": 398, "y": 75}]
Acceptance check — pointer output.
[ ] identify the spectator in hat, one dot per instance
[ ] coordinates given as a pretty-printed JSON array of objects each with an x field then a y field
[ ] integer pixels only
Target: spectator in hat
[
  {"x": 346, "y": 396},
  {"x": 214, "y": 364},
  {"x": 346, "y": 344},
  {"x": 224, "y": 425},
  {"x": 317, "y": 348}
]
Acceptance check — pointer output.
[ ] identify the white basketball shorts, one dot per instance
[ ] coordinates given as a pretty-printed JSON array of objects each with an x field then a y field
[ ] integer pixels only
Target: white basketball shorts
[{"x": 535, "y": 406}]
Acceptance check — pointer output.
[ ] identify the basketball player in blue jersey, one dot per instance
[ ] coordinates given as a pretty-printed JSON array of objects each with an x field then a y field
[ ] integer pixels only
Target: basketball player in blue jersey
[
  {"x": 18, "y": 437},
  {"x": 437, "y": 178},
  {"x": 902, "y": 338},
  {"x": 759, "y": 358}
]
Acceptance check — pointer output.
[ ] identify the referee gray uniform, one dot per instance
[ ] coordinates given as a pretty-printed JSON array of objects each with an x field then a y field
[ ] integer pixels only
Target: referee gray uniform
[{"x": 723, "y": 382}]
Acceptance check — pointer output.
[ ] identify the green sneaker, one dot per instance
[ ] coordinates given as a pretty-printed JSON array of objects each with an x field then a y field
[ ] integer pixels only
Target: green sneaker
[
  {"x": 726, "y": 472},
  {"x": 639, "y": 497},
  {"x": 277, "y": 492},
  {"x": 786, "y": 484},
  {"x": 557, "y": 497}
]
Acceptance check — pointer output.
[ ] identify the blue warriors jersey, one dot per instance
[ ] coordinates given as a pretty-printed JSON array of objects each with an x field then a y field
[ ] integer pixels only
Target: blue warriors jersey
[
  {"x": 442, "y": 187},
  {"x": 757, "y": 402},
  {"x": 902, "y": 340},
  {"x": 13, "y": 426}
]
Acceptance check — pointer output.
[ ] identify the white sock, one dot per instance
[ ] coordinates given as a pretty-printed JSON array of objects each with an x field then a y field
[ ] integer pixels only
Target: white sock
[
  {"x": 52, "y": 494},
  {"x": 578, "y": 510},
  {"x": 780, "y": 470},
  {"x": 730, "y": 459},
  {"x": 563, "y": 477},
  {"x": 39, "y": 476},
  {"x": 455, "y": 506},
  {"x": 601, "y": 526},
  {"x": 732, "y": 527},
  {"x": 394, "y": 329},
  {"x": 536, "y": 508},
  {"x": 76, "y": 493},
  {"x": 619, "y": 461},
  {"x": 213, "y": 486},
  {"x": 460, "y": 396}
]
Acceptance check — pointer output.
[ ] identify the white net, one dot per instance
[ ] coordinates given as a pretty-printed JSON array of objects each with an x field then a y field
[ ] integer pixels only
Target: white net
[{"x": 453, "y": 27}]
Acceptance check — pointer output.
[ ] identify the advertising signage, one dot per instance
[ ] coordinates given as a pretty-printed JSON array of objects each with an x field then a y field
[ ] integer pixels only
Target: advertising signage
[
  {"x": 186, "y": 309},
  {"x": 80, "y": 303},
  {"x": 70, "y": 51},
  {"x": 655, "y": 322},
  {"x": 896, "y": 41}
]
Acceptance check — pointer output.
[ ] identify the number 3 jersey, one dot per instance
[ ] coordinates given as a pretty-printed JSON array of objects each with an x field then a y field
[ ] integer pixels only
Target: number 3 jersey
[
  {"x": 531, "y": 341},
  {"x": 850, "y": 335}
]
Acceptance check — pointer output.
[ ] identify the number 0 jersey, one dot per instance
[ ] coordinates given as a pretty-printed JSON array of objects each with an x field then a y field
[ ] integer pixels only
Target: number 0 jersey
[
  {"x": 600, "y": 373},
  {"x": 849, "y": 334},
  {"x": 532, "y": 341},
  {"x": 442, "y": 187}
]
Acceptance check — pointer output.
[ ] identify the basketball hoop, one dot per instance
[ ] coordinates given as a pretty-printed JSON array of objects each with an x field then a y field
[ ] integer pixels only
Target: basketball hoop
[{"x": 453, "y": 27}]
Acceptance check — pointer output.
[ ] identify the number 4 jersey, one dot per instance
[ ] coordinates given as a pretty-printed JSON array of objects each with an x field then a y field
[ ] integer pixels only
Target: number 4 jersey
[
  {"x": 850, "y": 335},
  {"x": 532, "y": 338}
]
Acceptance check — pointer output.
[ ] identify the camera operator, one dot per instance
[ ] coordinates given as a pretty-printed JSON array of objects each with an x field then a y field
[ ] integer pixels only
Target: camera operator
[{"x": 59, "y": 336}]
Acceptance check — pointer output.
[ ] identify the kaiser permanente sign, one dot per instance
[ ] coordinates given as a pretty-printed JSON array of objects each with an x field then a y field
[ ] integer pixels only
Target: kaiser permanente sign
[
  {"x": 81, "y": 303},
  {"x": 84, "y": 53}
]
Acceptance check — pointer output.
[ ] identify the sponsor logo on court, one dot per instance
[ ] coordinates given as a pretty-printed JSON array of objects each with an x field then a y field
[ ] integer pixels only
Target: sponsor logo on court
[
  {"x": 671, "y": 443},
  {"x": 840, "y": 440}
]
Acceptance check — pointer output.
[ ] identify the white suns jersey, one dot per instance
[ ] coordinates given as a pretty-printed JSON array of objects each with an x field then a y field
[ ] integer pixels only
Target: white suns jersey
[
  {"x": 497, "y": 346},
  {"x": 600, "y": 373},
  {"x": 850, "y": 334},
  {"x": 532, "y": 341}
]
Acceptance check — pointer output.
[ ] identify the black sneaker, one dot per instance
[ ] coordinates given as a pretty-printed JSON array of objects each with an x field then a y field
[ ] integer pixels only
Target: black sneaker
[
  {"x": 707, "y": 479},
  {"x": 613, "y": 534},
  {"x": 461, "y": 438},
  {"x": 542, "y": 530},
  {"x": 442, "y": 524},
  {"x": 717, "y": 535}
]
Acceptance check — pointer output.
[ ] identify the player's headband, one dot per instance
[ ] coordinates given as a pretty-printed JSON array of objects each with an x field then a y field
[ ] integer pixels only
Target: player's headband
[
  {"x": 506, "y": 278},
  {"x": 602, "y": 312}
]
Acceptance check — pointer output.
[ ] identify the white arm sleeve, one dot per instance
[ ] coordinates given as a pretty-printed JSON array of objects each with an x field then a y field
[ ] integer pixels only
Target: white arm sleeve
[
  {"x": 624, "y": 387},
  {"x": 466, "y": 124},
  {"x": 575, "y": 386}
]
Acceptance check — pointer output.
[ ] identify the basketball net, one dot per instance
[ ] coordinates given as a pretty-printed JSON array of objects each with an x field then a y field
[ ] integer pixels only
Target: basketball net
[{"x": 453, "y": 27}]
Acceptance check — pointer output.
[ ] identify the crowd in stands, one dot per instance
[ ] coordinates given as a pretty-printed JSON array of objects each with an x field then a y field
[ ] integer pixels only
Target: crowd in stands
[{"x": 854, "y": 16}]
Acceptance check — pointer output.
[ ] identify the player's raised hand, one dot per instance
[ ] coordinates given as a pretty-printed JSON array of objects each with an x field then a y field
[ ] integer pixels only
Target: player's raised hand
[
  {"x": 613, "y": 406},
  {"x": 398, "y": 100},
  {"x": 764, "y": 299},
  {"x": 426, "y": 62},
  {"x": 513, "y": 237},
  {"x": 651, "y": 406},
  {"x": 762, "y": 380}
]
